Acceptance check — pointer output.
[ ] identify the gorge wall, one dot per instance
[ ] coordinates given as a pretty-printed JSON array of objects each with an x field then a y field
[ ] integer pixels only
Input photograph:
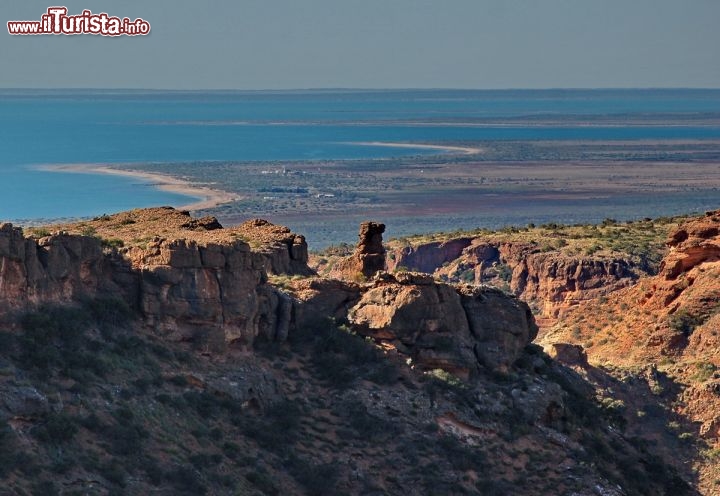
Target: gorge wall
[
  {"x": 551, "y": 282},
  {"x": 192, "y": 280}
]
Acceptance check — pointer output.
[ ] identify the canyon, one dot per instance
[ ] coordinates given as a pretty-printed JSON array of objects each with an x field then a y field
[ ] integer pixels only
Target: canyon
[{"x": 148, "y": 350}]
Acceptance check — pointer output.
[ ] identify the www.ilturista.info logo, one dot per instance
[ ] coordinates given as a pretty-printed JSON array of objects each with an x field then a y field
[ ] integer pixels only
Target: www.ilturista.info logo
[{"x": 57, "y": 21}]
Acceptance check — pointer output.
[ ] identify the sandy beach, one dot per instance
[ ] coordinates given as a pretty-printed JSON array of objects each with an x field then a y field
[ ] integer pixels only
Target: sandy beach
[
  {"x": 207, "y": 197},
  {"x": 466, "y": 150}
]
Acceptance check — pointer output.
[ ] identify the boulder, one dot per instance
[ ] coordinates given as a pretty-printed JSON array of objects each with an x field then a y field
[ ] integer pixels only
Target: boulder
[
  {"x": 569, "y": 354},
  {"x": 441, "y": 326}
]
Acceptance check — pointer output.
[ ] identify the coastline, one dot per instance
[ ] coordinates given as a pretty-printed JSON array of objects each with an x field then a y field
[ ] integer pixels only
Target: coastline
[
  {"x": 207, "y": 197},
  {"x": 465, "y": 150}
]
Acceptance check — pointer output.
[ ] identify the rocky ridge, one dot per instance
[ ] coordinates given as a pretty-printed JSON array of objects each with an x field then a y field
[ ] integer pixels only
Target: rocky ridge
[
  {"x": 199, "y": 282},
  {"x": 202, "y": 284},
  {"x": 666, "y": 330},
  {"x": 174, "y": 345},
  {"x": 552, "y": 282},
  {"x": 551, "y": 268}
]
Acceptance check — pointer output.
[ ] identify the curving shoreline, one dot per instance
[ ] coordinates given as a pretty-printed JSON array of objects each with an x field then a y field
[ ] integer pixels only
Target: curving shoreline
[{"x": 207, "y": 197}]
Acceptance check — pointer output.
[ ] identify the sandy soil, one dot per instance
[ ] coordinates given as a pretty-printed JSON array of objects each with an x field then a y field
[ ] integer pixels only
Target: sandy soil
[
  {"x": 466, "y": 150},
  {"x": 207, "y": 197}
]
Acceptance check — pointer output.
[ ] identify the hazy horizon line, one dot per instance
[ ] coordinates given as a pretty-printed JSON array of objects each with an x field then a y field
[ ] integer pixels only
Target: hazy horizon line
[{"x": 361, "y": 89}]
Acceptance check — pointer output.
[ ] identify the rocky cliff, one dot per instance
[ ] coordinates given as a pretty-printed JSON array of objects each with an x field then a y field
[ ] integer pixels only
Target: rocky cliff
[
  {"x": 192, "y": 281},
  {"x": 444, "y": 327},
  {"x": 436, "y": 325},
  {"x": 550, "y": 280},
  {"x": 150, "y": 352},
  {"x": 57, "y": 268},
  {"x": 668, "y": 327}
]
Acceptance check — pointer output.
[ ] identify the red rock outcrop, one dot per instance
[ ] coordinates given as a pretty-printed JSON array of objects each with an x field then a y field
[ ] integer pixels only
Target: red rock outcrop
[
  {"x": 555, "y": 282},
  {"x": 196, "y": 281},
  {"x": 552, "y": 282},
  {"x": 201, "y": 283},
  {"x": 694, "y": 243},
  {"x": 669, "y": 321},
  {"x": 441, "y": 326},
  {"x": 284, "y": 251},
  {"x": 53, "y": 269},
  {"x": 369, "y": 255}
]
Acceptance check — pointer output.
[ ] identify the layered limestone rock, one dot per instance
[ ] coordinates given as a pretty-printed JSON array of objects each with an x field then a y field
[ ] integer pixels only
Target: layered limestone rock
[
  {"x": 552, "y": 282},
  {"x": 194, "y": 280},
  {"x": 60, "y": 268},
  {"x": 215, "y": 293},
  {"x": 284, "y": 251},
  {"x": 441, "y": 326}
]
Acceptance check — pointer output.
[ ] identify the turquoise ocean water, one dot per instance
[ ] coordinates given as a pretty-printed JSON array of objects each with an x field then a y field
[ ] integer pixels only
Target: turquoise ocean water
[{"x": 41, "y": 128}]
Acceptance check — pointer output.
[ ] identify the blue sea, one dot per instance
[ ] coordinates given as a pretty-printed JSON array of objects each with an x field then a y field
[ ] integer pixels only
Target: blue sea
[{"x": 45, "y": 128}]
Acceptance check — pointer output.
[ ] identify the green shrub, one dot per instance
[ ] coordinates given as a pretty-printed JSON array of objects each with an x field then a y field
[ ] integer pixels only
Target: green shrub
[
  {"x": 10, "y": 456},
  {"x": 276, "y": 429},
  {"x": 363, "y": 425},
  {"x": 127, "y": 436},
  {"x": 153, "y": 471},
  {"x": 45, "y": 488},
  {"x": 111, "y": 243},
  {"x": 205, "y": 460},
  {"x": 58, "y": 428},
  {"x": 704, "y": 371},
  {"x": 186, "y": 480},
  {"x": 39, "y": 232},
  {"x": 317, "y": 479},
  {"x": 114, "y": 473},
  {"x": 339, "y": 357},
  {"x": 460, "y": 456},
  {"x": 263, "y": 481},
  {"x": 682, "y": 321}
]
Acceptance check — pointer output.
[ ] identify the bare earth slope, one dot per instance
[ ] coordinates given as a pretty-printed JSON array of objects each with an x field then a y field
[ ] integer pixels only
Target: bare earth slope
[{"x": 666, "y": 328}]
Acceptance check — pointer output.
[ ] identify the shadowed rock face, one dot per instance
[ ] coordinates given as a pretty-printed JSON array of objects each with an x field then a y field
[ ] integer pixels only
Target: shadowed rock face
[
  {"x": 54, "y": 269},
  {"x": 212, "y": 289},
  {"x": 428, "y": 257},
  {"x": 203, "y": 283},
  {"x": 218, "y": 290}
]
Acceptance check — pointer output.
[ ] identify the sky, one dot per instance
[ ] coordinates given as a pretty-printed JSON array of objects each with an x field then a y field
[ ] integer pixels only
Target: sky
[{"x": 299, "y": 44}]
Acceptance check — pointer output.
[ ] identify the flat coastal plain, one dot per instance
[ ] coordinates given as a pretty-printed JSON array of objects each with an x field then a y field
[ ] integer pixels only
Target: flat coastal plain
[{"x": 471, "y": 185}]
